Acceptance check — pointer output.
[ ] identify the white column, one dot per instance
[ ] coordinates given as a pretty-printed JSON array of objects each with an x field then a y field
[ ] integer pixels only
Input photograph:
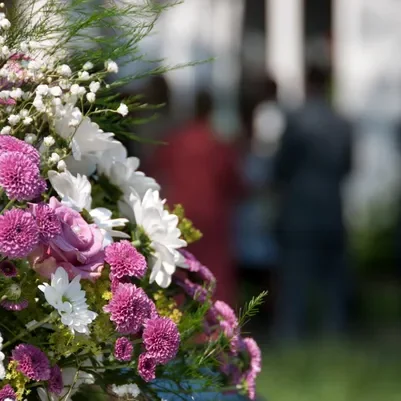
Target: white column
[
  {"x": 285, "y": 43},
  {"x": 226, "y": 43}
]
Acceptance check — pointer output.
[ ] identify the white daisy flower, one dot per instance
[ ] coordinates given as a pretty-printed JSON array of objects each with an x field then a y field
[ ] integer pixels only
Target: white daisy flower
[
  {"x": 75, "y": 192},
  {"x": 69, "y": 300},
  {"x": 161, "y": 228},
  {"x": 123, "y": 172}
]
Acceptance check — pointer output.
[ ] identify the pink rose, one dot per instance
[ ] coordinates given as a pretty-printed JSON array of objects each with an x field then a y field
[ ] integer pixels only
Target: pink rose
[{"x": 78, "y": 249}]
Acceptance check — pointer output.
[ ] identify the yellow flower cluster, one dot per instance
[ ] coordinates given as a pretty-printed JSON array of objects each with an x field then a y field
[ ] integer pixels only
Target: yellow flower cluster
[
  {"x": 188, "y": 231},
  {"x": 63, "y": 343},
  {"x": 167, "y": 307},
  {"x": 17, "y": 380}
]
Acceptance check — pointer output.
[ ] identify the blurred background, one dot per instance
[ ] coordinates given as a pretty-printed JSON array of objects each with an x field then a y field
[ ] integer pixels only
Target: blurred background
[{"x": 285, "y": 152}]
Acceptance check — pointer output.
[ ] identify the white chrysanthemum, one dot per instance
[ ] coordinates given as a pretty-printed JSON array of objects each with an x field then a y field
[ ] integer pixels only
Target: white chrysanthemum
[
  {"x": 102, "y": 218},
  {"x": 87, "y": 141},
  {"x": 2, "y": 369},
  {"x": 126, "y": 390},
  {"x": 70, "y": 378},
  {"x": 69, "y": 300},
  {"x": 75, "y": 192},
  {"x": 123, "y": 173},
  {"x": 161, "y": 228}
]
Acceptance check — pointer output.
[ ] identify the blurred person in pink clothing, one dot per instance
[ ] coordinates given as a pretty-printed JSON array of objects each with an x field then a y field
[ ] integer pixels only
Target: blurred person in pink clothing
[{"x": 199, "y": 172}]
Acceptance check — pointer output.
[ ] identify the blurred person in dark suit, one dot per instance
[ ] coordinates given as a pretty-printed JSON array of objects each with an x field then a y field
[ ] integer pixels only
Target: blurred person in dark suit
[
  {"x": 200, "y": 172},
  {"x": 312, "y": 162}
]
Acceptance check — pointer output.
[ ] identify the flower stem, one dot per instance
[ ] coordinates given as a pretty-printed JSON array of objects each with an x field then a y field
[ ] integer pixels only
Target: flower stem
[
  {"x": 9, "y": 204},
  {"x": 27, "y": 331}
]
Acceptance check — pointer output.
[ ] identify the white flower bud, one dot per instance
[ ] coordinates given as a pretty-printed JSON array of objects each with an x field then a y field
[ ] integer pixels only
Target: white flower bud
[
  {"x": 61, "y": 166},
  {"x": 94, "y": 86},
  {"x": 27, "y": 121},
  {"x": 91, "y": 97},
  {"x": 49, "y": 141},
  {"x": 111, "y": 66},
  {"x": 122, "y": 109},
  {"x": 1, "y": 5},
  {"x": 5, "y": 51},
  {"x": 5, "y": 24},
  {"x": 64, "y": 70},
  {"x": 24, "y": 47},
  {"x": 65, "y": 84},
  {"x": 83, "y": 76},
  {"x": 16, "y": 93},
  {"x": 77, "y": 90},
  {"x": 14, "y": 119},
  {"x": 87, "y": 66},
  {"x": 5, "y": 130},
  {"x": 42, "y": 90},
  {"x": 38, "y": 103},
  {"x": 56, "y": 91},
  {"x": 54, "y": 158},
  {"x": 30, "y": 138}
]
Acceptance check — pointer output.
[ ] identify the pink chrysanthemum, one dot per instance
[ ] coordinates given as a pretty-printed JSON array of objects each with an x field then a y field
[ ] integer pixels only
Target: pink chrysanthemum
[
  {"x": 123, "y": 349},
  {"x": 32, "y": 362},
  {"x": 161, "y": 339},
  {"x": 226, "y": 317},
  {"x": 55, "y": 383},
  {"x": 129, "y": 308},
  {"x": 41, "y": 187},
  {"x": 14, "y": 306},
  {"x": 147, "y": 367},
  {"x": 7, "y": 393},
  {"x": 249, "y": 379},
  {"x": 8, "y": 268},
  {"x": 19, "y": 176},
  {"x": 125, "y": 260},
  {"x": 49, "y": 224},
  {"x": 197, "y": 267},
  {"x": 255, "y": 355},
  {"x": 18, "y": 233},
  {"x": 10, "y": 144}
]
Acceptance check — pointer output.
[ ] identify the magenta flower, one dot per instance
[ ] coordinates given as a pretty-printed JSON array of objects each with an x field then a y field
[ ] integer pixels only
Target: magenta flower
[
  {"x": 15, "y": 306},
  {"x": 161, "y": 339},
  {"x": 10, "y": 144},
  {"x": 123, "y": 349},
  {"x": 19, "y": 176},
  {"x": 78, "y": 248},
  {"x": 8, "y": 268},
  {"x": 252, "y": 348},
  {"x": 147, "y": 367},
  {"x": 198, "y": 268},
  {"x": 19, "y": 233},
  {"x": 55, "y": 383},
  {"x": 129, "y": 308},
  {"x": 48, "y": 222},
  {"x": 125, "y": 260},
  {"x": 7, "y": 393},
  {"x": 32, "y": 362},
  {"x": 225, "y": 316},
  {"x": 193, "y": 290}
]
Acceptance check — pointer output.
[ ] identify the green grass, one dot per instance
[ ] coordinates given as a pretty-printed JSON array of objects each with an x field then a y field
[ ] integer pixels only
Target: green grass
[{"x": 331, "y": 373}]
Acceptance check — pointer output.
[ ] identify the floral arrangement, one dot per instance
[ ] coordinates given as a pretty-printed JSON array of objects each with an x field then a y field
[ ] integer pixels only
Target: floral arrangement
[{"x": 96, "y": 287}]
